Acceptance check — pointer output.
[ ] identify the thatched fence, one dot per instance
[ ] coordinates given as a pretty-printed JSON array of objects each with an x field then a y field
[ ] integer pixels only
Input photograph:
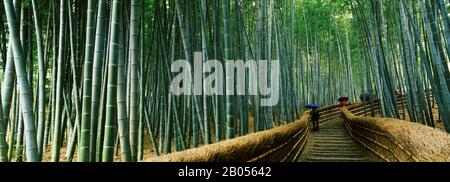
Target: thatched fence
[
  {"x": 283, "y": 143},
  {"x": 394, "y": 140}
]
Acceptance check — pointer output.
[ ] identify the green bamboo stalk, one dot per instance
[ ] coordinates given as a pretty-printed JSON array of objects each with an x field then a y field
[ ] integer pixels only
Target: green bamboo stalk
[
  {"x": 204, "y": 57},
  {"x": 141, "y": 142},
  {"x": 3, "y": 144},
  {"x": 227, "y": 53},
  {"x": 134, "y": 81},
  {"x": 42, "y": 75},
  {"x": 84, "y": 148},
  {"x": 24, "y": 87},
  {"x": 114, "y": 48},
  {"x": 9, "y": 79},
  {"x": 56, "y": 143},
  {"x": 97, "y": 68},
  {"x": 75, "y": 81},
  {"x": 123, "y": 125}
]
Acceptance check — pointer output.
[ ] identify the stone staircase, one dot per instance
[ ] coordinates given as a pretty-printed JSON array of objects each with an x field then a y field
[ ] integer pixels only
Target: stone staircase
[{"x": 332, "y": 143}]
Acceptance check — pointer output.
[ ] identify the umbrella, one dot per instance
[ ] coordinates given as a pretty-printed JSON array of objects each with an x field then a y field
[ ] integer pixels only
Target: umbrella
[
  {"x": 312, "y": 106},
  {"x": 365, "y": 97},
  {"x": 343, "y": 98}
]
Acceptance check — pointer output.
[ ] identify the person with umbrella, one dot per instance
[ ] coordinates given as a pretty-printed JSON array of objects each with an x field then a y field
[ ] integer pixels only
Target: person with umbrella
[
  {"x": 315, "y": 115},
  {"x": 365, "y": 97},
  {"x": 342, "y": 101}
]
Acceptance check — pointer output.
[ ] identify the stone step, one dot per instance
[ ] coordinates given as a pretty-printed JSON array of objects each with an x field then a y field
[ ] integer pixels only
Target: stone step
[
  {"x": 349, "y": 145},
  {"x": 332, "y": 127},
  {"x": 325, "y": 133},
  {"x": 331, "y": 153},
  {"x": 342, "y": 154},
  {"x": 346, "y": 138},
  {"x": 338, "y": 159},
  {"x": 337, "y": 155},
  {"x": 333, "y": 135},
  {"x": 325, "y": 142},
  {"x": 347, "y": 150},
  {"x": 334, "y": 146},
  {"x": 332, "y": 143}
]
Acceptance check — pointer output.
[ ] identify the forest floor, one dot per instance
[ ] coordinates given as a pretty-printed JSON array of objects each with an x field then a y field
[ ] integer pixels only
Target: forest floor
[{"x": 436, "y": 118}]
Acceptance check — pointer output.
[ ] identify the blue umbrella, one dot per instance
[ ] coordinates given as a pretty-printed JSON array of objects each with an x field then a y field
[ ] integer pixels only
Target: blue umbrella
[{"x": 312, "y": 106}]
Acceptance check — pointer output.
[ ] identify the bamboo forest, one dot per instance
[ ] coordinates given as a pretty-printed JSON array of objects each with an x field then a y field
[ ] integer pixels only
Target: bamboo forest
[{"x": 96, "y": 80}]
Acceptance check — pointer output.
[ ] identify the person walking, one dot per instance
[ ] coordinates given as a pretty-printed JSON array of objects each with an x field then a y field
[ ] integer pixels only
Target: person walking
[
  {"x": 315, "y": 119},
  {"x": 343, "y": 102}
]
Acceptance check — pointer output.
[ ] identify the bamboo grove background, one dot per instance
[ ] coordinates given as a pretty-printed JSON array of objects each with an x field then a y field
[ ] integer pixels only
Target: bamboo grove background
[{"x": 89, "y": 80}]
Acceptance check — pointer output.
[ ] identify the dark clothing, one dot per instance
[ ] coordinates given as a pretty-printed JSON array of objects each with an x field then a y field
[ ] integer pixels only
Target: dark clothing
[
  {"x": 315, "y": 119},
  {"x": 315, "y": 116}
]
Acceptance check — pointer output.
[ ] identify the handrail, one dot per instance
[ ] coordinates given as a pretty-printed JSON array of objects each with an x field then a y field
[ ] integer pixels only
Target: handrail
[
  {"x": 286, "y": 143},
  {"x": 398, "y": 140},
  {"x": 367, "y": 146}
]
